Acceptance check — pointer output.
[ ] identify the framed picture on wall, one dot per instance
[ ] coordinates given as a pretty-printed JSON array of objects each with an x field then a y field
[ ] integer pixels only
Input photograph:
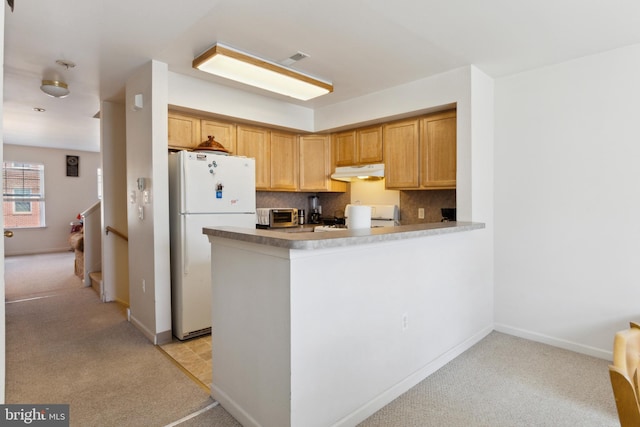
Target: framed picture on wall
[{"x": 73, "y": 165}]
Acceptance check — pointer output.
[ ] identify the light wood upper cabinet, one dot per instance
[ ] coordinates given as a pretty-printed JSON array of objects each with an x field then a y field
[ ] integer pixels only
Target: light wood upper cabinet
[
  {"x": 418, "y": 153},
  {"x": 358, "y": 147},
  {"x": 315, "y": 162},
  {"x": 438, "y": 150},
  {"x": 369, "y": 145},
  {"x": 224, "y": 133},
  {"x": 284, "y": 161},
  {"x": 421, "y": 153},
  {"x": 401, "y": 154},
  {"x": 344, "y": 148},
  {"x": 184, "y": 131},
  {"x": 255, "y": 142}
]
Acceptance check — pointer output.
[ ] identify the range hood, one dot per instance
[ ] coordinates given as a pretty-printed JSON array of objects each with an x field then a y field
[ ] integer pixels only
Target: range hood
[{"x": 365, "y": 172}]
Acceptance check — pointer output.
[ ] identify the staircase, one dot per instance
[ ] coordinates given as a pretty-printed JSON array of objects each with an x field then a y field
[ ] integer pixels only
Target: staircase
[{"x": 96, "y": 282}]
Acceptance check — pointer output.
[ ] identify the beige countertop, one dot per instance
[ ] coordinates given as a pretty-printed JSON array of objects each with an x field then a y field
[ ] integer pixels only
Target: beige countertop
[{"x": 332, "y": 239}]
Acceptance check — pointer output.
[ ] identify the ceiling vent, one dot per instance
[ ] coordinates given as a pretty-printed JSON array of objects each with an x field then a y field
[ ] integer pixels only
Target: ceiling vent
[{"x": 294, "y": 58}]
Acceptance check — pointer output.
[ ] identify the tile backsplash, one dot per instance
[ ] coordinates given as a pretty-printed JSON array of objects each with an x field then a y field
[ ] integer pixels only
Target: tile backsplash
[
  {"x": 430, "y": 200},
  {"x": 330, "y": 202},
  {"x": 334, "y": 203}
]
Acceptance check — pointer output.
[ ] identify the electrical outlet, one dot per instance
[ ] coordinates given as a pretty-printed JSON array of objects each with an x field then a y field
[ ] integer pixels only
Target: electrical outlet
[
  {"x": 405, "y": 322},
  {"x": 420, "y": 213},
  {"x": 144, "y": 286}
]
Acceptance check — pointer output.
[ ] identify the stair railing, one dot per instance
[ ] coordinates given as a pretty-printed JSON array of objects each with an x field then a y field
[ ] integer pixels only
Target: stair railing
[{"x": 116, "y": 232}]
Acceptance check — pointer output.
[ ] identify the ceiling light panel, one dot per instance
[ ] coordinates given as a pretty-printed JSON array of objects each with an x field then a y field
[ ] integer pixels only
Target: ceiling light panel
[{"x": 232, "y": 64}]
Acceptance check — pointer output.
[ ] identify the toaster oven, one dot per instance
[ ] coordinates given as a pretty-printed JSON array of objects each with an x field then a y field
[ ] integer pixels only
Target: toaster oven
[{"x": 277, "y": 217}]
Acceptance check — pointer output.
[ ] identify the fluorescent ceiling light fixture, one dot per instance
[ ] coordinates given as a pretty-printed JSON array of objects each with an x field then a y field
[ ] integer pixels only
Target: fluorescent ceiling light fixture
[
  {"x": 55, "y": 88},
  {"x": 232, "y": 64}
]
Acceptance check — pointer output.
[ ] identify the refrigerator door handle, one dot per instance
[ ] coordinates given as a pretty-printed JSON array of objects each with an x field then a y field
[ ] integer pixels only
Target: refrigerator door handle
[
  {"x": 185, "y": 247},
  {"x": 182, "y": 166}
]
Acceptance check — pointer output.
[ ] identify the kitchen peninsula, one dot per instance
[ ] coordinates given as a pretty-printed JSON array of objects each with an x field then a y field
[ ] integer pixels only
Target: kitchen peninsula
[{"x": 324, "y": 329}]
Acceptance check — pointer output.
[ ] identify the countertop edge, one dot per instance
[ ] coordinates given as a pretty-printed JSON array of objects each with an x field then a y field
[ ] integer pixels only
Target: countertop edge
[{"x": 334, "y": 239}]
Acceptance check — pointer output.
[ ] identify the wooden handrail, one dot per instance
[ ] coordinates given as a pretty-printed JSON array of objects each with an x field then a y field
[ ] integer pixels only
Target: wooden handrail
[{"x": 116, "y": 232}]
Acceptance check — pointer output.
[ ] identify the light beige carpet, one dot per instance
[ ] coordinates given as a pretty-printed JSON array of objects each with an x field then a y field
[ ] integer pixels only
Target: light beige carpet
[
  {"x": 32, "y": 275},
  {"x": 503, "y": 381},
  {"x": 65, "y": 346}
]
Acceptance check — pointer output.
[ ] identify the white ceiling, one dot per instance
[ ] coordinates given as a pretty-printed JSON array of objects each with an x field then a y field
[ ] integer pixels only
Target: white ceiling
[{"x": 362, "y": 46}]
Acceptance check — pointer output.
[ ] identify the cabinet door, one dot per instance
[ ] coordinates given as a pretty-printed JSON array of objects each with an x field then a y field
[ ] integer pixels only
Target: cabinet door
[
  {"x": 284, "y": 161},
  {"x": 401, "y": 154},
  {"x": 369, "y": 145},
  {"x": 184, "y": 131},
  {"x": 315, "y": 162},
  {"x": 254, "y": 142},
  {"x": 344, "y": 148},
  {"x": 224, "y": 133},
  {"x": 438, "y": 152}
]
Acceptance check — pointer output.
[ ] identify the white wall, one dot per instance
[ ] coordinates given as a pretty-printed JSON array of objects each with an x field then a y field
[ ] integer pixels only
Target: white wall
[
  {"x": 373, "y": 193},
  {"x": 188, "y": 92},
  {"x": 147, "y": 158},
  {"x": 332, "y": 348},
  {"x": 115, "y": 250},
  {"x": 567, "y": 201},
  {"x": 65, "y": 196}
]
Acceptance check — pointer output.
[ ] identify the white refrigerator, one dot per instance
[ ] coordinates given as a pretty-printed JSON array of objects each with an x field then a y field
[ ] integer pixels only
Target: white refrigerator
[{"x": 205, "y": 189}]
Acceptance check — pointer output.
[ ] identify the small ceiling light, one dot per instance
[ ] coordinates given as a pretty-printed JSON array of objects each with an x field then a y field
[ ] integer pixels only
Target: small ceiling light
[
  {"x": 55, "y": 88},
  {"x": 39, "y": 110},
  {"x": 235, "y": 65}
]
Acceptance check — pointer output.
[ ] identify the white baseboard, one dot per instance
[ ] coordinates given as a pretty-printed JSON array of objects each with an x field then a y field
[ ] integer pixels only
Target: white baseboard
[
  {"x": 146, "y": 332},
  {"x": 556, "y": 342},
  {"x": 39, "y": 251},
  {"x": 233, "y": 408}
]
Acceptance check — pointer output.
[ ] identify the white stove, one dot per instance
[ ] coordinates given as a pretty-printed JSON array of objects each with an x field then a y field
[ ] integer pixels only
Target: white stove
[
  {"x": 381, "y": 216},
  {"x": 330, "y": 228}
]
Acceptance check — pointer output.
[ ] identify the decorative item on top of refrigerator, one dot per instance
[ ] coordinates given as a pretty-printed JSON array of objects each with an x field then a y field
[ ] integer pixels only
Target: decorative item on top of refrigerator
[{"x": 205, "y": 190}]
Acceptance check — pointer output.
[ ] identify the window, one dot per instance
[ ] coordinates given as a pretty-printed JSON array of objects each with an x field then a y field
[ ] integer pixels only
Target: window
[
  {"x": 22, "y": 204},
  {"x": 23, "y": 195}
]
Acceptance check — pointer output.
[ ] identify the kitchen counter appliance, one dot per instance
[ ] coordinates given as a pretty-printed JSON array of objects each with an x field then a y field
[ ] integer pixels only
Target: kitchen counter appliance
[
  {"x": 205, "y": 190},
  {"x": 315, "y": 210},
  {"x": 276, "y": 217},
  {"x": 448, "y": 214}
]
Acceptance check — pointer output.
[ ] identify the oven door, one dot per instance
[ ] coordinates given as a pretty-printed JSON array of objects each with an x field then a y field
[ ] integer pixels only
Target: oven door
[{"x": 279, "y": 218}]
